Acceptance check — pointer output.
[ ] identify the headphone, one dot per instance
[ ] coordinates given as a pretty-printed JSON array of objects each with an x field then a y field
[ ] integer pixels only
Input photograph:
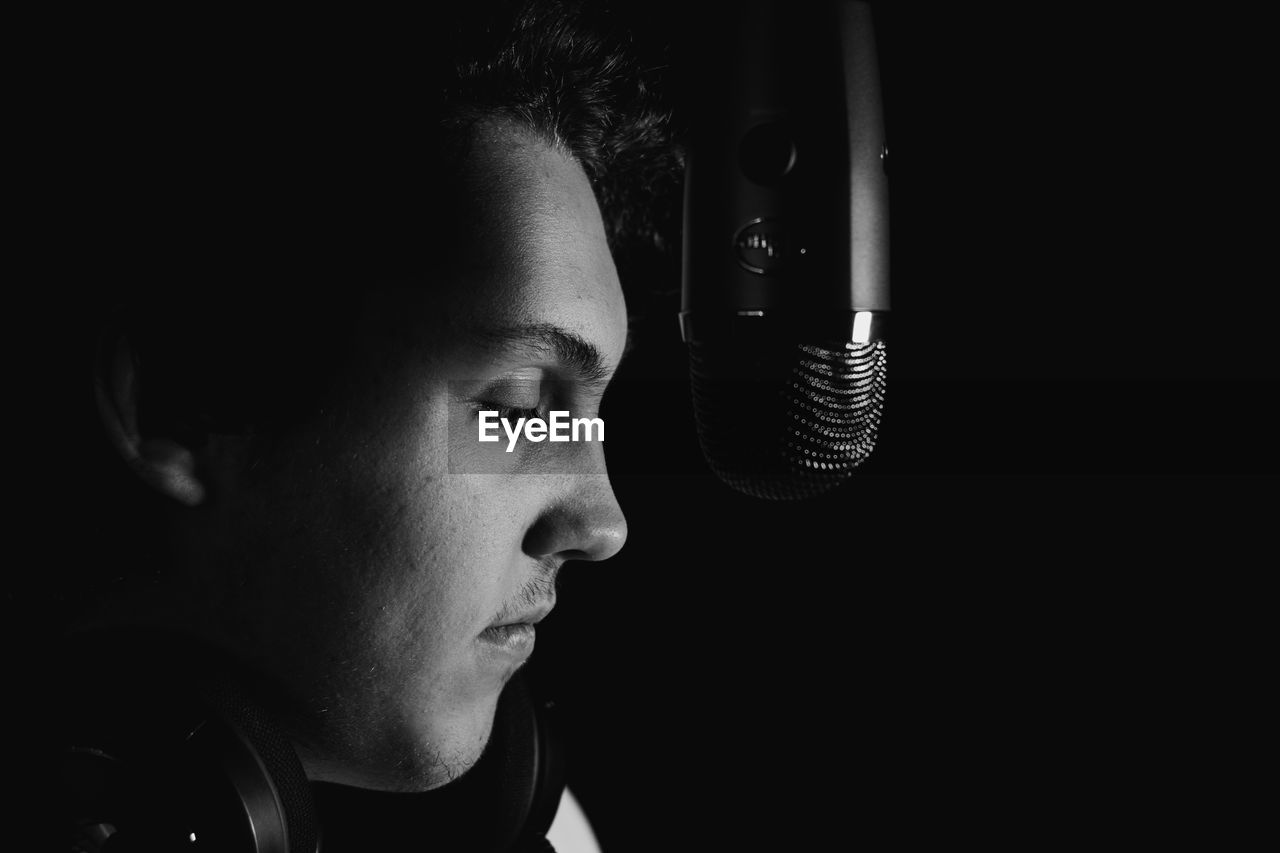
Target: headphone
[{"x": 165, "y": 746}]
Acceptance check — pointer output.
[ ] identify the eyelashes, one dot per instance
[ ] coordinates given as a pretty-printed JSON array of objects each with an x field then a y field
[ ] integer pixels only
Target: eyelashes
[
  {"x": 523, "y": 398},
  {"x": 515, "y": 413},
  {"x": 506, "y": 411},
  {"x": 528, "y": 400}
]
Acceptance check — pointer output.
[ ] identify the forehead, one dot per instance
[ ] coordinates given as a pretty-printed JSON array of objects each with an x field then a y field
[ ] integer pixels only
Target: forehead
[{"x": 531, "y": 247}]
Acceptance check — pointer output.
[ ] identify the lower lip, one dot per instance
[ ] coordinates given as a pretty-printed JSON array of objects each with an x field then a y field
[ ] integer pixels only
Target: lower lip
[{"x": 513, "y": 640}]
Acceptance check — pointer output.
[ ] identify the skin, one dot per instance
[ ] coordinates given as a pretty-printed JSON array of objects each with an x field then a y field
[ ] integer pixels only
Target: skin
[{"x": 355, "y": 562}]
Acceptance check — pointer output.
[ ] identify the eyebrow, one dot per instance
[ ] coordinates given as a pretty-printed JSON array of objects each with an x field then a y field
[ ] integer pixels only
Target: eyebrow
[{"x": 570, "y": 349}]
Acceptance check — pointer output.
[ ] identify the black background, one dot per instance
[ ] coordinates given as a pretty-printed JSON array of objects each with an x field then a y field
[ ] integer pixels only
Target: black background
[{"x": 1033, "y": 616}]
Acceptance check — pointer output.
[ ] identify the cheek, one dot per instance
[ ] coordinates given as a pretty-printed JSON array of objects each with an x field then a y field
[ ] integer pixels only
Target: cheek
[
  {"x": 475, "y": 547},
  {"x": 443, "y": 549},
  {"x": 382, "y": 518},
  {"x": 426, "y": 557}
]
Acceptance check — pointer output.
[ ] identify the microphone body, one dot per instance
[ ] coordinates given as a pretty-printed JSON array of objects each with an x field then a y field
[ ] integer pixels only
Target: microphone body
[{"x": 786, "y": 247}]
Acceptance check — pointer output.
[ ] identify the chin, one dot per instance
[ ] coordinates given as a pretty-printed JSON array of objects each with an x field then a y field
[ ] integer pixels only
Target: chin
[
  {"x": 448, "y": 749},
  {"x": 402, "y": 754}
]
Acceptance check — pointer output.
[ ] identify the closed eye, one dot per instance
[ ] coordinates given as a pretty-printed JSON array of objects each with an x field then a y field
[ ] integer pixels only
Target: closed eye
[{"x": 514, "y": 413}]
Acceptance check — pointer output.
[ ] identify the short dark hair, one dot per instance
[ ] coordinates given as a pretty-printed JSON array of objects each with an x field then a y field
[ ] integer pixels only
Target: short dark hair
[{"x": 574, "y": 77}]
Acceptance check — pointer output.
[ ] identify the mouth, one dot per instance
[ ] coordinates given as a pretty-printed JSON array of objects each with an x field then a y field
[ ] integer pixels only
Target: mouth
[
  {"x": 515, "y": 640},
  {"x": 514, "y": 635}
]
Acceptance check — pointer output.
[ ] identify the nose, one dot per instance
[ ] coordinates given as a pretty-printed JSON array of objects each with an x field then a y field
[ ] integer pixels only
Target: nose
[{"x": 584, "y": 523}]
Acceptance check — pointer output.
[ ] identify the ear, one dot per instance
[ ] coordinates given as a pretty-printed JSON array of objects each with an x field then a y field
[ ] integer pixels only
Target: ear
[{"x": 161, "y": 463}]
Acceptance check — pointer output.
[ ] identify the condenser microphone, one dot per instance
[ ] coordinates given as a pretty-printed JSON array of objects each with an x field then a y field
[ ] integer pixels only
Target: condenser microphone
[{"x": 786, "y": 246}]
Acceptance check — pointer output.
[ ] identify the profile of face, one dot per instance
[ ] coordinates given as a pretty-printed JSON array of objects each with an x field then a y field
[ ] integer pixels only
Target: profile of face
[{"x": 368, "y": 563}]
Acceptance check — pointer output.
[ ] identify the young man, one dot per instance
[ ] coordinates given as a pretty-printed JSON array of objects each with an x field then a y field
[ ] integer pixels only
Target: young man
[{"x": 338, "y": 259}]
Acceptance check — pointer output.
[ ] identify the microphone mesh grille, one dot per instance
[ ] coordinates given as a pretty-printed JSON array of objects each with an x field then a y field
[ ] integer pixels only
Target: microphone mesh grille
[{"x": 819, "y": 419}]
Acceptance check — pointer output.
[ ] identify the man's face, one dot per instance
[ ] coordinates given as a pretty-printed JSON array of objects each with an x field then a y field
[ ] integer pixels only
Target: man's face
[{"x": 384, "y": 539}]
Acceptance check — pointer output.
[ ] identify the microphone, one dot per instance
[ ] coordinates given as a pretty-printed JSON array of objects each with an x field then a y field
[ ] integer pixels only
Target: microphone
[{"x": 786, "y": 246}]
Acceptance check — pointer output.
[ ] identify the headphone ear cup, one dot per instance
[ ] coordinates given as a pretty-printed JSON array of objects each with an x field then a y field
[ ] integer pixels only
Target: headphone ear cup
[
  {"x": 263, "y": 767},
  {"x": 162, "y": 748},
  {"x": 539, "y": 771}
]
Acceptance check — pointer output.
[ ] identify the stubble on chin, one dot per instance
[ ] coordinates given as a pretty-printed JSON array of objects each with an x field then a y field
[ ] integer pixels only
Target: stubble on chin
[{"x": 384, "y": 755}]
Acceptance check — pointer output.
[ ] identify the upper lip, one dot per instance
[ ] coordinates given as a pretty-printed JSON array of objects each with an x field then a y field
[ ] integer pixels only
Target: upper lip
[{"x": 532, "y": 616}]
